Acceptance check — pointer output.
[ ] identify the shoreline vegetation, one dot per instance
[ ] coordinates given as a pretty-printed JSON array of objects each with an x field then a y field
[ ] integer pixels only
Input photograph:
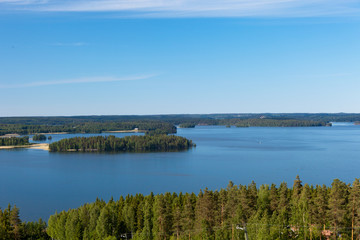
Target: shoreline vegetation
[
  {"x": 147, "y": 143},
  {"x": 42, "y": 146},
  {"x": 84, "y": 126},
  {"x": 136, "y": 130},
  {"x": 235, "y": 212},
  {"x": 187, "y": 125},
  {"x": 21, "y": 142},
  {"x": 39, "y": 137},
  {"x": 162, "y": 124}
]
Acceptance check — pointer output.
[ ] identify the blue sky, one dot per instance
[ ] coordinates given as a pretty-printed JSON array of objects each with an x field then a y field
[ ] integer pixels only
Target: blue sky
[{"x": 167, "y": 57}]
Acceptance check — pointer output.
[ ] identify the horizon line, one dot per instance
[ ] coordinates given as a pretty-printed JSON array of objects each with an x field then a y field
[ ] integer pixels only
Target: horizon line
[{"x": 174, "y": 114}]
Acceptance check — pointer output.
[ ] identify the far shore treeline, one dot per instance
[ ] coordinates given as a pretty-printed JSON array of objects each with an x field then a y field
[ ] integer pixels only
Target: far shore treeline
[
  {"x": 162, "y": 124},
  {"x": 150, "y": 127},
  {"x": 266, "y": 212},
  {"x": 147, "y": 143}
]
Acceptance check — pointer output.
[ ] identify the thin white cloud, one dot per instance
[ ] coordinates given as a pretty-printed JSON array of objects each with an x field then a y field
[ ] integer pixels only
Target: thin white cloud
[
  {"x": 69, "y": 44},
  {"x": 195, "y": 8},
  {"x": 24, "y": 2},
  {"x": 78, "y": 80}
]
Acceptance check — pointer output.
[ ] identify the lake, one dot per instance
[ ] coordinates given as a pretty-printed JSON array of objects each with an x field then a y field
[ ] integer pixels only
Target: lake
[{"x": 40, "y": 182}]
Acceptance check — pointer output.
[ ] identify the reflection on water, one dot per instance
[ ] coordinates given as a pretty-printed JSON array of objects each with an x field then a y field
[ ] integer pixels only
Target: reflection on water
[{"x": 40, "y": 182}]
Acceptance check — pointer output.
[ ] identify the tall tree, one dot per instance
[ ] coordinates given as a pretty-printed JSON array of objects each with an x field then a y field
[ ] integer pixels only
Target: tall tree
[
  {"x": 354, "y": 209},
  {"x": 337, "y": 205},
  {"x": 15, "y": 222}
]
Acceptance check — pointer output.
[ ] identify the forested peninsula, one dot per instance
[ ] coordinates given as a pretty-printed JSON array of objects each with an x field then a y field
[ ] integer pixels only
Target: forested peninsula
[
  {"x": 147, "y": 143},
  {"x": 51, "y": 126}
]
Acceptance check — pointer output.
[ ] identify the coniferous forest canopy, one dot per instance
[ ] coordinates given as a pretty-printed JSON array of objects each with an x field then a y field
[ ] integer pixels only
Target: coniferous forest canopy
[
  {"x": 11, "y": 226},
  {"x": 148, "y": 143},
  {"x": 164, "y": 124},
  {"x": 14, "y": 141},
  {"x": 39, "y": 137},
  {"x": 150, "y": 127},
  {"x": 266, "y": 212}
]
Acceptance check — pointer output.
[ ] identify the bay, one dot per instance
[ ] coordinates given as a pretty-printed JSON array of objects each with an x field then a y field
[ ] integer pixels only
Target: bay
[{"x": 41, "y": 182}]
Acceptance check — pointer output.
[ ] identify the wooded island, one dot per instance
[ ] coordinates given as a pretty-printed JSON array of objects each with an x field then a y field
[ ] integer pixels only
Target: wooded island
[{"x": 148, "y": 143}]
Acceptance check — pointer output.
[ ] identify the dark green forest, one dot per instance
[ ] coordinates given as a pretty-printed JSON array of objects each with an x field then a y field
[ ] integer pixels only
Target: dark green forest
[
  {"x": 13, "y": 141},
  {"x": 165, "y": 124},
  {"x": 179, "y": 118},
  {"x": 277, "y": 123},
  {"x": 265, "y": 212},
  {"x": 147, "y": 143},
  {"x": 150, "y": 127},
  {"x": 12, "y": 228},
  {"x": 39, "y": 137},
  {"x": 187, "y": 125},
  {"x": 256, "y": 122}
]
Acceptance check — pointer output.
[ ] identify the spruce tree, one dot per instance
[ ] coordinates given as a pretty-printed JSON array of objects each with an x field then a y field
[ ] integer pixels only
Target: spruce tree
[
  {"x": 354, "y": 209},
  {"x": 337, "y": 205}
]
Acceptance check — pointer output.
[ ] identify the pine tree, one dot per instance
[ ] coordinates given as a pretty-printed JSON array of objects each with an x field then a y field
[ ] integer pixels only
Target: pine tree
[
  {"x": 205, "y": 210},
  {"x": 177, "y": 208},
  {"x": 274, "y": 198},
  {"x": 73, "y": 226},
  {"x": 162, "y": 218},
  {"x": 321, "y": 200},
  {"x": 188, "y": 214},
  {"x": 105, "y": 225},
  {"x": 337, "y": 204},
  {"x": 15, "y": 222},
  {"x": 354, "y": 208},
  {"x": 147, "y": 233}
]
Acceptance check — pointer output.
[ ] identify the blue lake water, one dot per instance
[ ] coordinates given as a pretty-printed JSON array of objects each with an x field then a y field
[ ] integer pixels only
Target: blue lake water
[{"x": 40, "y": 182}]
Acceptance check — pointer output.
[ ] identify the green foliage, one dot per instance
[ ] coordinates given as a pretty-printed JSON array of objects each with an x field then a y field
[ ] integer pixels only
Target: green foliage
[
  {"x": 13, "y": 141},
  {"x": 11, "y": 226},
  {"x": 220, "y": 214},
  {"x": 126, "y": 144},
  {"x": 149, "y": 127},
  {"x": 276, "y": 123},
  {"x": 164, "y": 124},
  {"x": 39, "y": 137},
  {"x": 187, "y": 125}
]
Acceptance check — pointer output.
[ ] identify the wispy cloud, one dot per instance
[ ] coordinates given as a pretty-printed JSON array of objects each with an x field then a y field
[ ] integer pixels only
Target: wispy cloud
[
  {"x": 194, "y": 8},
  {"x": 69, "y": 44},
  {"x": 78, "y": 80},
  {"x": 24, "y": 2}
]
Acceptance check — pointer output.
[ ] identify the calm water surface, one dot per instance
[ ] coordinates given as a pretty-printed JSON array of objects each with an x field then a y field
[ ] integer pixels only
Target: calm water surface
[{"x": 40, "y": 183}]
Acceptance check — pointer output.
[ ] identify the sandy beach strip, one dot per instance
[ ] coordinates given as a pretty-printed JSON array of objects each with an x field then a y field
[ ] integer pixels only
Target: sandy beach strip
[{"x": 42, "y": 146}]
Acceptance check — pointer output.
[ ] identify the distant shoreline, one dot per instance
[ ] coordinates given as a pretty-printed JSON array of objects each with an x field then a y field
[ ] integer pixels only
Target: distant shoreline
[
  {"x": 42, "y": 146},
  {"x": 125, "y": 131},
  {"x": 52, "y": 133},
  {"x": 58, "y": 133}
]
